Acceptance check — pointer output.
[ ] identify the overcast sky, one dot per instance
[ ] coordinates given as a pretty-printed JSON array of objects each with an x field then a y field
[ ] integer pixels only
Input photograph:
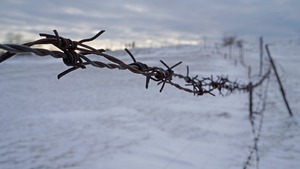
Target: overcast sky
[{"x": 152, "y": 20}]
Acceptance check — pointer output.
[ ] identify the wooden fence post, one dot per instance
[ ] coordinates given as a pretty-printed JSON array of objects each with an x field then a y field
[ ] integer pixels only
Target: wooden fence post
[
  {"x": 261, "y": 52},
  {"x": 279, "y": 81}
]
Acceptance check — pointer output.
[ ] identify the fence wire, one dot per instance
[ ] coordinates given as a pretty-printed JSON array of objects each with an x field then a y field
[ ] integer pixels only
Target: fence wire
[{"x": 74, "y": 54}]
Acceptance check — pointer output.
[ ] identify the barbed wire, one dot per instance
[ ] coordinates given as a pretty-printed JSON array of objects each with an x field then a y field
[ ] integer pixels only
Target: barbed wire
[
  {"x": 256, "y": 118},
  {"x": 258, "y": 114},
  {"x": 74, "y": 54}
]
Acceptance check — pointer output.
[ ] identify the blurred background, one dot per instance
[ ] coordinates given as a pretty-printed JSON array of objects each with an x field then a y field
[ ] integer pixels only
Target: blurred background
[
  {"x": 106, "y": 119},
  {"x": 141, "y": 23}
]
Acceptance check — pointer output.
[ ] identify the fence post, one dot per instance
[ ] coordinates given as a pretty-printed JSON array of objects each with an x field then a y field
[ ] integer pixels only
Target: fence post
[
  {"x": 279, "y": 81},
  {"x": 250, "y": 88},
  {"x": 261, "y": 52}
]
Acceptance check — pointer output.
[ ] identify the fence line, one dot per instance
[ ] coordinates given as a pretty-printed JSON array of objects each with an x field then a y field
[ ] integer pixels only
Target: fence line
[
  {"x": 74, "y": 54},
  {"x": 254, "y": 115}
]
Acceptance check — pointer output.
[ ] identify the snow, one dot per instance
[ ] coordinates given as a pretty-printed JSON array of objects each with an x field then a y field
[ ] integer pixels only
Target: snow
[{"x": 106, "y": 119}]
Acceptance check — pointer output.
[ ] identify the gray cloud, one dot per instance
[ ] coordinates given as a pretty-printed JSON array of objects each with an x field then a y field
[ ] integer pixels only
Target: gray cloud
[{"x": 144, "y": 20}]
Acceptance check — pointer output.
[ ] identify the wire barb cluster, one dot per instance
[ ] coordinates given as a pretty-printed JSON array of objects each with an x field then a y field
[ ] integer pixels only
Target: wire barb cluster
[{"x": 74, "y": 54}]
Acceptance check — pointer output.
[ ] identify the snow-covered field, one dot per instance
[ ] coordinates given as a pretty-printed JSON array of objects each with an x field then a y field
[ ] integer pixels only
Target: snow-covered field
[{"x": 106, "y": 119}]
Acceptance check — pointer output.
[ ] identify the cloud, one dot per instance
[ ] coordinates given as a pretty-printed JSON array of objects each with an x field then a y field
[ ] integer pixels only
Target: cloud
[
  {"x": 135, "y": 8},
  {"x": 138, "y": 20}
]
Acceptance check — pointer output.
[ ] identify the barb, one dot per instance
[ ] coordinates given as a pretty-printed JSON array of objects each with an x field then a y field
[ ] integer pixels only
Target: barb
[
  {"x": 257, "y": 127},
  {"x": 74, "y": 54},
  {"x": 256, "y": 117}
]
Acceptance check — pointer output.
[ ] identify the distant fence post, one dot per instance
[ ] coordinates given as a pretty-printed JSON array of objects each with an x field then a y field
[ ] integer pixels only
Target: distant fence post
[
  {"x": 261, "y": 52},
  {"x": 279, "y": 81},
  {"x": 250, "y": 88}
]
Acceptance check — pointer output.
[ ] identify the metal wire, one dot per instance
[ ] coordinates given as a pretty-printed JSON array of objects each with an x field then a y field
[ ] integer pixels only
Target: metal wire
[{"x": 75, "y": 55}]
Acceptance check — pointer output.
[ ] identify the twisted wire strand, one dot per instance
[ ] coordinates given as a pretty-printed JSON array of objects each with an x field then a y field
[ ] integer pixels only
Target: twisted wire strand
[
  {"x": 75, "y": 55},
  {"x": 13, "y": 48},
  {"x": 256, "y": 128}
]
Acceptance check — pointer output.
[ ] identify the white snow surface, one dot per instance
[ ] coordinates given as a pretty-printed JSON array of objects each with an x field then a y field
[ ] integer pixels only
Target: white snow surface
[{"x": 106, "y": 119}]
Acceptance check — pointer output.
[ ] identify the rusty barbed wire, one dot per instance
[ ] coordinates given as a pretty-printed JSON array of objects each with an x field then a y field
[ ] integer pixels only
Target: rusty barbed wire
[
  {"x": 74, "y": 54},
  {"x": 257, "y": 115}
]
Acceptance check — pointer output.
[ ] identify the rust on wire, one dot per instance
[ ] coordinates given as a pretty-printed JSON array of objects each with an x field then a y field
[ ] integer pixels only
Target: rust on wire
[{"x": 74, "y": 54}]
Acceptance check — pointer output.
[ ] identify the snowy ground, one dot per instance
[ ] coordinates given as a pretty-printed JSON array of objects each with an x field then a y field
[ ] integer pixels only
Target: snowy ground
[{"x": 106, "y": 119}]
